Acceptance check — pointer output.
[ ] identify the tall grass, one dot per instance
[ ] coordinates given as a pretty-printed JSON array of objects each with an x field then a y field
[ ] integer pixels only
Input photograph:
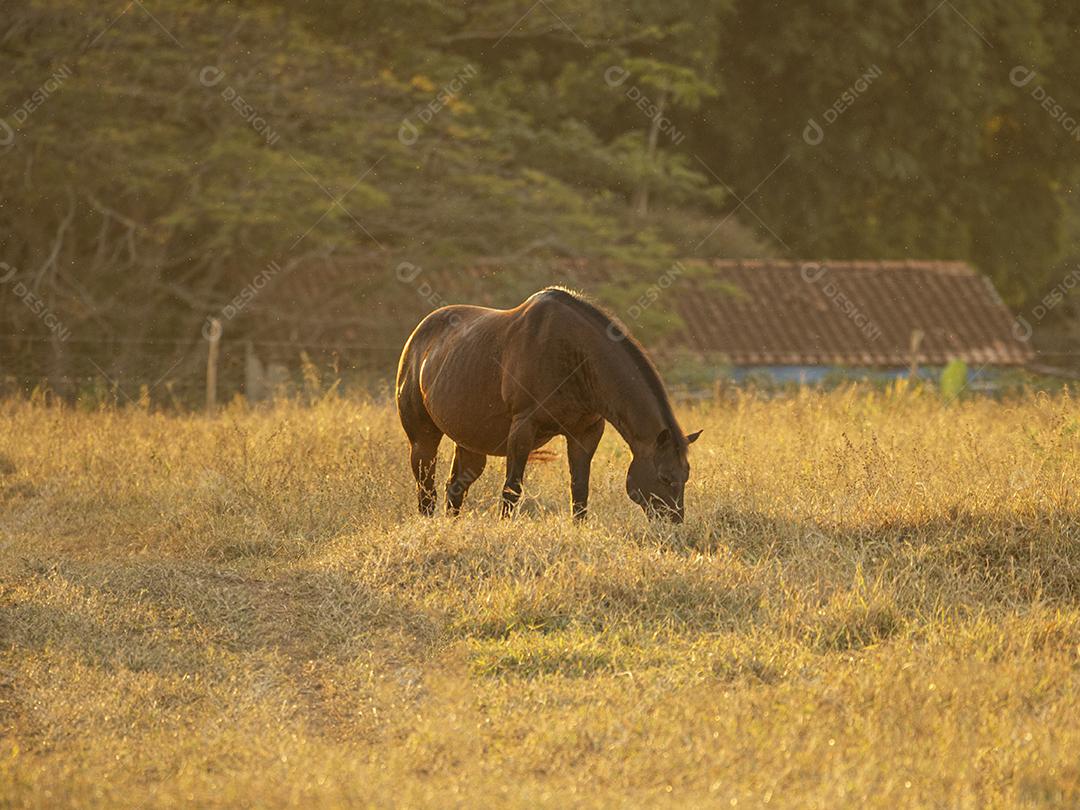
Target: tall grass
[{"x": 874, "y": 601}]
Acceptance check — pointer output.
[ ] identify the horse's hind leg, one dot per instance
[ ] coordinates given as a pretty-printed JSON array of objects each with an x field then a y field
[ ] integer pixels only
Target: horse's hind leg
[
  {"x": 466, "y": 468},
  {"x": 424, "y": 438},
  {"x": 423, "y": 456}
]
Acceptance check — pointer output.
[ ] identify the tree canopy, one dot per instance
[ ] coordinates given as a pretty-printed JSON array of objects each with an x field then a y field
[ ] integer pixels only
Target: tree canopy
[{"x": 154, "y": 156}]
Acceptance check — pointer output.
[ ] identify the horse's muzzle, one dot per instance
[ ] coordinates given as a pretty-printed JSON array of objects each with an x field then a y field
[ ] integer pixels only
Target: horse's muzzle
[{"x": 658, "y": 510}]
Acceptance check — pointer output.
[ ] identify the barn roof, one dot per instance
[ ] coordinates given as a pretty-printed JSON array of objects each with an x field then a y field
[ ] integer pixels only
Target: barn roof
[{"x": 774, "y": 312}]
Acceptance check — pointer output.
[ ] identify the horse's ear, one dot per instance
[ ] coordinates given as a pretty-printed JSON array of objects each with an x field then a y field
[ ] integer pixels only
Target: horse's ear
[
  {"x": 692, "y": 437},
  {"x": 663, "y": 438}
]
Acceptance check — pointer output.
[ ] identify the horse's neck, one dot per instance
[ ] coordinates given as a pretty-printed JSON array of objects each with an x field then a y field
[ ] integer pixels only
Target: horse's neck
[
  {"x": 640, "y": 429},
  {"x": 628, "y": 402}
]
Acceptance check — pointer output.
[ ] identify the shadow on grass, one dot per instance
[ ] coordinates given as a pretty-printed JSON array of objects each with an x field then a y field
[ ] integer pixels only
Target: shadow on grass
[
  {"x": 1039, "y": 547},
  {"x": 178, "y": 616}
]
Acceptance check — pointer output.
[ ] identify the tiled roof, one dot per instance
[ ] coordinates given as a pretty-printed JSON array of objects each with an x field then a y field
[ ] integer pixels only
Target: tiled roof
[
  {"x": 774, "y": 312},
  {"x": 749, "y": 312}
]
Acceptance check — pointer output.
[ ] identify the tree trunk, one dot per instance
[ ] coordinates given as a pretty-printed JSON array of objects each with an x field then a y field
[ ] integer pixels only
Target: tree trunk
[{"x": 641, "y": 195}]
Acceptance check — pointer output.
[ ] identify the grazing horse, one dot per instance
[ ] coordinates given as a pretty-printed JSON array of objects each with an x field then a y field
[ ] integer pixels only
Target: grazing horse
[{"x": 505, "y": 382}]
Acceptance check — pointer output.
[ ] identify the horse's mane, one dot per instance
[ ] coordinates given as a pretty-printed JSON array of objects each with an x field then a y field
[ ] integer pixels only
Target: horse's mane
[{"x": 613, "y": 327}]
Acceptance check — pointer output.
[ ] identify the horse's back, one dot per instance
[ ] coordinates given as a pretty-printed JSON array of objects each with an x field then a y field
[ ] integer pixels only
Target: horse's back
[{"x": 471, "y": 369}]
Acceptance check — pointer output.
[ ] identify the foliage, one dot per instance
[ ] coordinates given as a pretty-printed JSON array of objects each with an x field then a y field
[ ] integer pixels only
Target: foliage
[
  {"x": 941, "y": 156},
  {"x": 954, "y": 379},
  {"x": 160, "y": 156}
]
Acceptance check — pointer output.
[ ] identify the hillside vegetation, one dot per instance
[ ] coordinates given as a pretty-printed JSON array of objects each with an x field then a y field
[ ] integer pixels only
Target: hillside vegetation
[
  {"x": 155, "y": 158},
  {"x": 874, "y": 602}
]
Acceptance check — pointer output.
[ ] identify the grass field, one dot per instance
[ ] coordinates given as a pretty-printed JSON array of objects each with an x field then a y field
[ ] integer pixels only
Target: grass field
[{"x": 875, "y": 601}]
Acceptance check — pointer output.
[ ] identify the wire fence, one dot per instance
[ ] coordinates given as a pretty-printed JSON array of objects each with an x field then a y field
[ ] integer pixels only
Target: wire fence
[{"x": 174, "y": 371}]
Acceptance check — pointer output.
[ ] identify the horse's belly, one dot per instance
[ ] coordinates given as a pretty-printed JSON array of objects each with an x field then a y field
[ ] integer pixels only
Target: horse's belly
[
  {"x": 465, "y": 403},
  {"x": 479, "y": 434}
]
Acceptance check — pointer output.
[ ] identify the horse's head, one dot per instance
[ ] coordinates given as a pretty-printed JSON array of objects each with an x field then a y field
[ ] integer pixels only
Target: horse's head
[{"x": 656, "y": 478}]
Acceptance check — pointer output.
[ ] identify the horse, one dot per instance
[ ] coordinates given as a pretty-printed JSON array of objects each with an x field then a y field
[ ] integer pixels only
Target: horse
[{"x": 506, "y": 382}]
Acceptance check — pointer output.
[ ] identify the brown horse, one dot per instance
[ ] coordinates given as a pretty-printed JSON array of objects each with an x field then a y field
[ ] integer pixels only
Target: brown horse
[{"x": 505, "y": 382}]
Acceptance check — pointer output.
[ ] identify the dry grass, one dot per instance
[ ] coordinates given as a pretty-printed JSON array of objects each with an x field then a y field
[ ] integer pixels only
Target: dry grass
[{"x": 874, "y": 601}]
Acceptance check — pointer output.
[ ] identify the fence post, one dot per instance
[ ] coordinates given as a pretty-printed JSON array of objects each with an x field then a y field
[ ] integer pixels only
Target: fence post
[
  {"x": 214, "y": 337},
  {"x": 916, "y": 341}
]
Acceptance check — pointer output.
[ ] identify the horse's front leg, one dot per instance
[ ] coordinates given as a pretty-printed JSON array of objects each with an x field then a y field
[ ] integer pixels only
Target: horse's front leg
[
  {"x": 580, "y": 448},
  {"x": 519, "y": 444}
]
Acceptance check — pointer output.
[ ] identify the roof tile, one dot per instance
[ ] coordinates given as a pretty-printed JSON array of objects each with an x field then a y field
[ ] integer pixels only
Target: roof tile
[{"x": 846, "y": 312}]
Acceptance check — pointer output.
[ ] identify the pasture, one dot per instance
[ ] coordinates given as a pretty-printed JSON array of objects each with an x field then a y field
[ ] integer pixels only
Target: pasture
[{"x": 875, "y": 600}]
